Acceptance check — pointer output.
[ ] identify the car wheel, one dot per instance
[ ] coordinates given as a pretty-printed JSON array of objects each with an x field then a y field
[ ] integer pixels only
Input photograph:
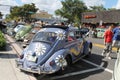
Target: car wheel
[{"x": 68, "y": 60}]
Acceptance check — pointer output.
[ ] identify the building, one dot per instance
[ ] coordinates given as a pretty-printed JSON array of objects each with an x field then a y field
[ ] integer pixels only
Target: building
[
  {"x": 41, "y": 14},
  {"x": 101, "y": 18}
]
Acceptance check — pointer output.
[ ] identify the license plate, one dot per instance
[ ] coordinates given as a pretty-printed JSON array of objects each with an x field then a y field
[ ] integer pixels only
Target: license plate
[{"x": 31, "y": 58}]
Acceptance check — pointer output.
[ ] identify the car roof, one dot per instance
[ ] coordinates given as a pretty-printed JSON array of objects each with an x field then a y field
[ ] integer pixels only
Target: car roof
[
  {"x": 66, "y": 28},
  {"x": 56, "y": 26}
]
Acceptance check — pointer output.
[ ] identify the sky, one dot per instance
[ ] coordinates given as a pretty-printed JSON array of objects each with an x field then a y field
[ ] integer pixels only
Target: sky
[{"x": 51, "y": 5}]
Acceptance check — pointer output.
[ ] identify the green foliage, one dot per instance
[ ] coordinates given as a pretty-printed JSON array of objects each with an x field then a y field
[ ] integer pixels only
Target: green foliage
[
  {"x": 2, "y": 42},
  {"x": 71, "y": 10},
  {"x": 111, "y": 8},
  {"x": 97, "y": 8},
  {"x": 23, "y": 12}
]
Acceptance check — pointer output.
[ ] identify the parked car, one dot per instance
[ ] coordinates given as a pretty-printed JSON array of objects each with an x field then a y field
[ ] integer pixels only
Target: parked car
[
  {"x": 84, "y": 30},
  {"x": 100, "y": 32},
  {"x": 30, "y": 35},
  {"x": 10, "y": 29},
  {"x": 52, "y": 49},
  {"x": 18, "y": 28},
  {"x": 22, "y": 33}
]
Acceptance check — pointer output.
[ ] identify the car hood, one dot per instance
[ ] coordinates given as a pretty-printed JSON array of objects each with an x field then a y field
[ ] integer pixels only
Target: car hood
[{"x": 39, "y": 48}]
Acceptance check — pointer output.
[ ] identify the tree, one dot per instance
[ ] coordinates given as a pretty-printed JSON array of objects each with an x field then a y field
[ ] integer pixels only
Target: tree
[
  {"x": 71, "y": 10},
  {"x": 111, "y": 9},
  {"x": 97, "y": 8},
  {"x": 24, "y": 11},
  {"x": 1, "y": 15}
]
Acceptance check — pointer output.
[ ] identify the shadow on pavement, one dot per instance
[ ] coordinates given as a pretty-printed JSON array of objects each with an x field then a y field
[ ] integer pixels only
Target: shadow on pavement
[{"x": 8, "y": 53}]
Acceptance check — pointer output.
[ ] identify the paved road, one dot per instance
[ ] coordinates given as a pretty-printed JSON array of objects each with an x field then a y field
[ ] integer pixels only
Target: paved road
[
  {"x": 8, "y": 69},
  {"x": 96, "y": 40}
]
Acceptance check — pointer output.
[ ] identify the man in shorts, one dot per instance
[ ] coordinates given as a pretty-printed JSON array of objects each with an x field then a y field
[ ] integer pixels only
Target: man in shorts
[{"x": 108, "y": 35}]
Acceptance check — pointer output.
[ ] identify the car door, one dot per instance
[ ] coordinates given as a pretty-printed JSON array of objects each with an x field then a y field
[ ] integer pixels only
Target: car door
[{"x": 75, "y": 44}]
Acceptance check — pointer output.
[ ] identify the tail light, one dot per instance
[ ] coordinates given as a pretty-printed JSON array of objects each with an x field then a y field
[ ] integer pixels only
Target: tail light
[
  {"x": 52, "y": 63},
  {"x": 21, "y": 56}
]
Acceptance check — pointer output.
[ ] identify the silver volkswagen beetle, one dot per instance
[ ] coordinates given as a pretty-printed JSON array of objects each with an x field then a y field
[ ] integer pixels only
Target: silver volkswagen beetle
[{"x": 52, "y": 49}]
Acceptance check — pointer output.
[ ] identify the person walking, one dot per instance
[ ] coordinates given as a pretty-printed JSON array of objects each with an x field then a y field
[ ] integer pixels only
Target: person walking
[
  {"x": 108, "y": 35},
  {"x": 116, "y": 37}
]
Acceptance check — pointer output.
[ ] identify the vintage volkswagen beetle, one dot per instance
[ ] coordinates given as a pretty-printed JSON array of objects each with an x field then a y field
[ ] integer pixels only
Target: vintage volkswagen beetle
[{"x": 52, "y": 49}]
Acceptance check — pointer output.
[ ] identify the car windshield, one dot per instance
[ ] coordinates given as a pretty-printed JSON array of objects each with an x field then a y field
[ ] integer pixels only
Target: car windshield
[{"x": 49, "y": 37}]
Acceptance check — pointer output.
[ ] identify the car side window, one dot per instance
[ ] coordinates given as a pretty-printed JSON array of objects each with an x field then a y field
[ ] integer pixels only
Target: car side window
[
  {"x": 71, "y": 36},
  {"x": 78, "y": 34}
]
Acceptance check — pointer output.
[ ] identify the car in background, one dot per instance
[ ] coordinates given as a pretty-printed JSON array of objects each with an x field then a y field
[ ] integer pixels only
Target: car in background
[
  {"x": 52, "y": 49},
  {"x": 10, "y": 29},
  {"x": 100, "y": 32},
  {"x": 22, "y": 33},
  {"x": 18, "y": 28},
  {"x": 28, "y": 37},
  {"x": 84, "y": 30}
]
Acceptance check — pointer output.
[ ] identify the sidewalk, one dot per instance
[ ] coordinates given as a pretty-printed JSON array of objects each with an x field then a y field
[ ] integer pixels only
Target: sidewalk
[{"x": 8, "y": 69}]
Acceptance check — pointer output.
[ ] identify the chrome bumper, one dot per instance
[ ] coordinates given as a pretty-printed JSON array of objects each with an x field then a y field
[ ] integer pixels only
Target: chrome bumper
[{"x": 34, "y": 69}]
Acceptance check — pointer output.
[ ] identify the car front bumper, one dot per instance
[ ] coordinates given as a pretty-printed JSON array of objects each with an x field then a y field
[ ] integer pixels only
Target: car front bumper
[{"x": 34, "y": 69}]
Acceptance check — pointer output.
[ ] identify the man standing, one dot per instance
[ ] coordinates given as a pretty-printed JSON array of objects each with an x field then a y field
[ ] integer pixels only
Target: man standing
[{"x": 108, "y": 35}]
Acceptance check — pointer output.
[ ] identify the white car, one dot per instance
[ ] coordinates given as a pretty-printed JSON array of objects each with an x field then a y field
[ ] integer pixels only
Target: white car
[{"x": 18, "y": 28}]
